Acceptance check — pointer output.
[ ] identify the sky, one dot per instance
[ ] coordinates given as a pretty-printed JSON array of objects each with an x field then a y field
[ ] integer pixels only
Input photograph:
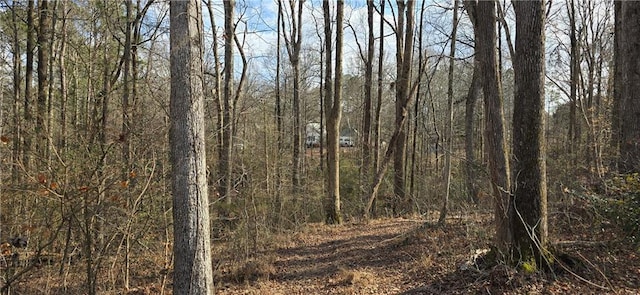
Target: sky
[{"x": 260, "y": 17}]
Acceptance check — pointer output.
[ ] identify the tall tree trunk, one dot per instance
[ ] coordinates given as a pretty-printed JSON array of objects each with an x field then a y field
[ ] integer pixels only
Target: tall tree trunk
[
  {"x": 470, "y": 103},
  {"x": 17, "y": 66},
  {"x": 449, "y": 136},
  {"x": 404, "y": 59},
  {"x": 333, "y": 112},
  {"x": 496, "y": 145},
  {"x": 371, "y": 209},
  {"x": 294, "y": 45},
  {"x": 529, "y": 215},
  {"x": 629, "y": 161},
  {"x": 618, "y": 83},
  {"x": 365, "y": 170},
  {"x": 218, "y": 104},
  {"x": 44, "y": 45},
  {"x": 126, "y": 127},
  {"x": 27, "y": 129},
  {"x": 226, "y": 182},
  {"x": 400, "y": 127},
  {"x": 192, "y": 250},
  {"x": 574, "y": 72},
  {"x": 279, "y": 123},
  {"x": 417, "y": 107},
  {"x": 62, "y": 72}
]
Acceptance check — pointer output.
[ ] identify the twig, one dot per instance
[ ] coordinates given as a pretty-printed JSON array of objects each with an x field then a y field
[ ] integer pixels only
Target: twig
[
  {"x": 597, "y": 269},
  {"x": 583, "y": 279},
  {"x": 579, "y": 243}
]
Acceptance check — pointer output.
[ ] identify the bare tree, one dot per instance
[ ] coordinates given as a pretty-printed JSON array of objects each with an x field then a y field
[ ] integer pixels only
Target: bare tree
[
  {"x": 226, "y": 183},
  {"x": 627, "y": 59},
  {"x": 192, "y": 249},
  {"x": 473, "y": 94},
  {"x": 529, "y": 204},
  {"x": 62, "y": 76},
  {"x": 126, "y": 124},
  {"x": 44, "y": 45},
  {"x": 401, "y": 110},
  {"x": 333, "y": 111},
  {"x": 17, "y": 69},
  {"x": 365, "y": 170},
  {"x": 496, "y": 146},
  {"x": 370, "y": 204},
  {"x": 618, "y": 83},
  {"x": 449, "y": 148},
  {"x": 574, "y": 73},
  {"x": 27, "y": 129},
  {"x": 293, "y": 43},
  {"x": 404, "y": 59}
]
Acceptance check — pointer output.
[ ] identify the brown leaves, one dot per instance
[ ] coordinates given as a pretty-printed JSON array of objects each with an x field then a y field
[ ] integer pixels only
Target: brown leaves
[
  {"x": 42, "y": 179},
  {"x": 4, "y": 139}
]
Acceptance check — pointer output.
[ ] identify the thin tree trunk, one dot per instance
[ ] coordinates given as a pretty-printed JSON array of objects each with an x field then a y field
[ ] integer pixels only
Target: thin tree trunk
[
  {"x": 574, "y": 72},
  {"x": 17, "y": 124},
  {"x": 293, "y": 48},
  {"x": 365, "y": 170},
  {"x": 333, "y": 112},
  {"x": 618, "y": 83},
  {"x": 27, "y": 129},
  {"x": 126, "y": 129},
  {"x": 44, "y": 45},
  {"x": 279, "y": 124},
  {"x": 217, "y": 91},
  {"x": 470, "y": 102},
  {"x": 449, "y": 148},
  {"x": 416, "y": 109},
  {"x": 370, "y": 209},
  {"x": 496, "y": 146},
  {"x": 404, "y": 56},
  {"x": 62, "y": 71},
  {"x": 226, "y": 182}
]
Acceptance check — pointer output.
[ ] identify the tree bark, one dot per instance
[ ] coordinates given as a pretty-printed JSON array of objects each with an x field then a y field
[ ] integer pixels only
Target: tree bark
[
  {"x": 62, "y": 72},
  {"x": 333, "y": 112},
  {"x": 365, "y": 170},
  {"x": 470, "y": 103},
  {"x": 618, "y": 84},
  {"x": 192, "y": 249},
  {"x": 126, "y": 129},
  {"x": 574, "y": 74},
  {"x": 293, "y": 44},
  {"x": 496, "y": 145},
  {"x": 44, "y": 45},
  {"x": 370, "y": 208},
  {"x": 404, "y": 58},
  {"x": 17, "y": 66},
  {"x": 27, "y": 129},
  {"x": 529, "y": 205},
  {"x": 629, "y": 161},
  {"x": 226, "y": 182},
  {"x": 279, "y": 123},
  {"x": 417, "y": 108},
  {"x": 449, "y": 147}
]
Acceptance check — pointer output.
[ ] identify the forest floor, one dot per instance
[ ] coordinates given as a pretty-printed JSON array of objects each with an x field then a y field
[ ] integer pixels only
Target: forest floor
[
  {"x": 403, "y": 256},
  {"x": 386, "y": 256}
]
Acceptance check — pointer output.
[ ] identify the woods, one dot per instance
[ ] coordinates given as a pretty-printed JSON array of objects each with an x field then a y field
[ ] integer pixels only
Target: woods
[{"x": 188, "y": 146}]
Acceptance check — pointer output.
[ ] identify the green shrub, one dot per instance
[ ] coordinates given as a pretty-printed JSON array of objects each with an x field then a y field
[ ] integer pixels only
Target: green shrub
[{"x": 623, "y": 206}]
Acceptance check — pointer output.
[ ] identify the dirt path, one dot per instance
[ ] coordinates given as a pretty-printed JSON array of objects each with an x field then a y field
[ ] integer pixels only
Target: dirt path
[
  {"x": 389, "y": 257},
  {"x": 352, "y": 259}
]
